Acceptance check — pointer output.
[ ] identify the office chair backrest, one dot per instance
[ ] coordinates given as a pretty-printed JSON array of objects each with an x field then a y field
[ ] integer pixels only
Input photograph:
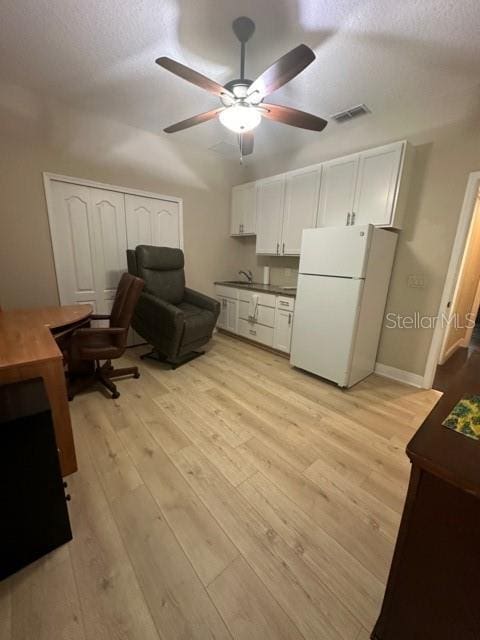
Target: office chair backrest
[
  {"x": 126, "y": 298},
  {"x": 162, "y": 270}
]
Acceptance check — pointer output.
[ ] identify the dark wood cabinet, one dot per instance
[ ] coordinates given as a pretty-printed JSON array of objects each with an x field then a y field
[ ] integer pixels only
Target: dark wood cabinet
[
  {"x": 34, "y": 515},
  {"x": 433, "y": 591}
]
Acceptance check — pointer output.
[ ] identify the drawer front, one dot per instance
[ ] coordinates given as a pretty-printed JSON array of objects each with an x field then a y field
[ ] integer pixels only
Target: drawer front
[
  {"x": 256, "y": 332},
  {"x": 226, "y": 292},
  {"x": 264, "y": 315},
  {"x": 287, "y": 303},
  {"x": 265, "y": 299}
]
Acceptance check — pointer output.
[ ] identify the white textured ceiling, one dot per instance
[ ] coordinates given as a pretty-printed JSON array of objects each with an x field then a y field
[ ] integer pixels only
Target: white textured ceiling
[{"x": 412, "y": 56}]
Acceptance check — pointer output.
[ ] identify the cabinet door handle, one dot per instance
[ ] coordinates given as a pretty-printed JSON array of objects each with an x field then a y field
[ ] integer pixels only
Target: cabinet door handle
[
  {"x": 254, "y": 333},
  {"x": 353, "y": 217},
  {"x": 283, "y": 248},
  {"x": 278, "y": 245},
  {"x": 284, "y": 304},
  {"x": 289, "y": 319},
  {"x": 348, "y": 219}
]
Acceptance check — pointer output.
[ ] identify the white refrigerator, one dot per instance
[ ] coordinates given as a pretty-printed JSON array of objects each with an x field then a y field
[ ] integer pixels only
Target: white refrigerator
[{"x": 342, "y": 289}]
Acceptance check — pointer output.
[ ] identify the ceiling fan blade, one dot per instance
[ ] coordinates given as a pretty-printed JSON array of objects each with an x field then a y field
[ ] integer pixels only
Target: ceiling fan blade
[
  {"x": 281, "y": 71},
  {"x": 193, "y": 76},
  {"x": 293, "y": 117},
  {"x": 245, "y": 142},
  {"x": 191, "y": 122}
]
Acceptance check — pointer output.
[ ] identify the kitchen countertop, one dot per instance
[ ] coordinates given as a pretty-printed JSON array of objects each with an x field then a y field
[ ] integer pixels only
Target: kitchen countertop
[{"x": 276, "y": 289}]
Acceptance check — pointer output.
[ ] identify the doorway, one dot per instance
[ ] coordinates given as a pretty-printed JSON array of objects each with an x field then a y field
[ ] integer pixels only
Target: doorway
[{"x": 461, "y": 338}]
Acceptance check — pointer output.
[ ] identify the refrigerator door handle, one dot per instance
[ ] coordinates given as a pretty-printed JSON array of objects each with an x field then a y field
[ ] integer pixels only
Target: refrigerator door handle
[
  {"x": 348, "y": 219},
  {"x": 353, "y": 217}
]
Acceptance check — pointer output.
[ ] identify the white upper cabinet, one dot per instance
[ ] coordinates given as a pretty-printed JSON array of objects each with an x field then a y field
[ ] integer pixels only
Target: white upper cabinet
[
  {"x": 243, "y": 212},
  {"x": 337, "y": 192},
  {"x": 301, "y": 202},
  {"x": 270, "y": 203},
  {"x": 370, "y": 187},
  {"x": 378, "y": 176},
  {"x": 366, "y": 188}
]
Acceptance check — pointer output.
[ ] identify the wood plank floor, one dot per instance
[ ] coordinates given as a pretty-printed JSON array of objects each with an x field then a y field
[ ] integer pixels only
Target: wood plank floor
[{"x": 232, "y": 498}]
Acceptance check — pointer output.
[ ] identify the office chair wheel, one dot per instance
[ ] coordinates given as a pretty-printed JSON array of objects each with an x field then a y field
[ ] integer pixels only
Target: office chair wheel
[
  {"x": 115, "y": 395},
  {"x": 136, "y": 375}
]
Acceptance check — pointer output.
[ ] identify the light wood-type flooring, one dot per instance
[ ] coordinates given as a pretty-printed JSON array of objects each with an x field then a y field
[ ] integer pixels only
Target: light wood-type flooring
[{"x": 232, "y": 498}]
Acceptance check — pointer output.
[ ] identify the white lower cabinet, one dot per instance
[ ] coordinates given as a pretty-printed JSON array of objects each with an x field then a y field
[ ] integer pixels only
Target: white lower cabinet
[
  {"x": 254, "y": 331},
  {"x": 266, "y": 319},
  {"x": 282, "y": 336},
  {"x": 228, "y": 314},
  {"x": 263, "y": 315}
]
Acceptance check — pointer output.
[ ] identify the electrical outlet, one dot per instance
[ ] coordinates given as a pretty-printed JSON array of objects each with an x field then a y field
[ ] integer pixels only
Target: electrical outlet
[{"x": 416, "y": 282}]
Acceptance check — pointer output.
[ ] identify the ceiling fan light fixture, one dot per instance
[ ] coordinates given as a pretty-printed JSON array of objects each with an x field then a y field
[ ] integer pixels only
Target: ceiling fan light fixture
[{"x": 240, "y": 118}]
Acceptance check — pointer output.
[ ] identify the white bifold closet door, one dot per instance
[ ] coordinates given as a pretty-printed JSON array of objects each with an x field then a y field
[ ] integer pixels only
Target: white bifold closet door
[
  {"x": 91, "y": 229},
  {"x": 90, "y": 241}
]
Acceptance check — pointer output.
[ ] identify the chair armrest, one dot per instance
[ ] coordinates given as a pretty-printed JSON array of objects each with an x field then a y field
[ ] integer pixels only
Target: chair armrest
[
  {"x": 202, "y": 301},
  {"x": 89, "y": 331},
  {"x": 162, "y": 315},
  {"x": 82, "y": 337},
  {"x": 164, "y": 308}
]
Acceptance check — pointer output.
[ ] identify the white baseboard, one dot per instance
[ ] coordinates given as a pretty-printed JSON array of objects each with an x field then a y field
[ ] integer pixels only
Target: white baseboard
[
  {"x": 400, "y": 375},
  {"x": 451, "y": 351}
]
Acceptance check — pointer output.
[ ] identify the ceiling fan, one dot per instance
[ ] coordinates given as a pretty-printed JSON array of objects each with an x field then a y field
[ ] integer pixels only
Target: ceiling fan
[{"x": 242, "y": 101}]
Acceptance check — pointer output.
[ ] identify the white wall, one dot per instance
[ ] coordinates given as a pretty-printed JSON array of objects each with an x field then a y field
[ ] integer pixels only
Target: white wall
[{"x": 37, "y": 137}]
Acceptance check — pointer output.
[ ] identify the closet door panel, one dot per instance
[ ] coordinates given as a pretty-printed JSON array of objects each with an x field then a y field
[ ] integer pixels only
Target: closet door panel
[
  {"x": 166, "y": 225},
  {"x": 152, "y": 221},
  {"x": 110, "y": 240},
  {"x": 72, "y": 229}
]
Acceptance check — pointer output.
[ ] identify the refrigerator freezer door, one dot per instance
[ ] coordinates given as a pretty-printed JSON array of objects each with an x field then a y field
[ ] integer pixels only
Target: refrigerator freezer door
[
  {"x": 324, "y": 325},
  {"x": 336, "y": 251}
]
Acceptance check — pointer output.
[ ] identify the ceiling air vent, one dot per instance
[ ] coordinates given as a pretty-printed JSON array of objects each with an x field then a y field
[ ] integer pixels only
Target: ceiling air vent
[{"x": 349, "y": 114}]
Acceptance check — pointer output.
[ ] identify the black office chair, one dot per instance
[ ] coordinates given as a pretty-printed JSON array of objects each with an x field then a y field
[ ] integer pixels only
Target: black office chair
[{"x": 175, "y": 320}]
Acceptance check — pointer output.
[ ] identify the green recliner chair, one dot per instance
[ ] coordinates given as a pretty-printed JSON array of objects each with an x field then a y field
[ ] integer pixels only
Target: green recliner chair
[{"x": 174, "y": 319}]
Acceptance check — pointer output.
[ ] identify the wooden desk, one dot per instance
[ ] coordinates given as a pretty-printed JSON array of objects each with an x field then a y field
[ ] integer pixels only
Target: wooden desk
[
  {"x": 433, "y": 589},
  {"x": 28, "y": 350}
]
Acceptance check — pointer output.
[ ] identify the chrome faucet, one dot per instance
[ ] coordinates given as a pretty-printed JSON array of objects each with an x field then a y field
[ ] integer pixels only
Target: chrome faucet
[{"x": 248, "y": 274}]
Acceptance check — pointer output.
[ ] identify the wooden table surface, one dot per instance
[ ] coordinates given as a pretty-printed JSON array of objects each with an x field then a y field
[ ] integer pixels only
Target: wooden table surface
[
  {"x": 25, "y": 334},
  {"x": 29, "y": 350}
]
